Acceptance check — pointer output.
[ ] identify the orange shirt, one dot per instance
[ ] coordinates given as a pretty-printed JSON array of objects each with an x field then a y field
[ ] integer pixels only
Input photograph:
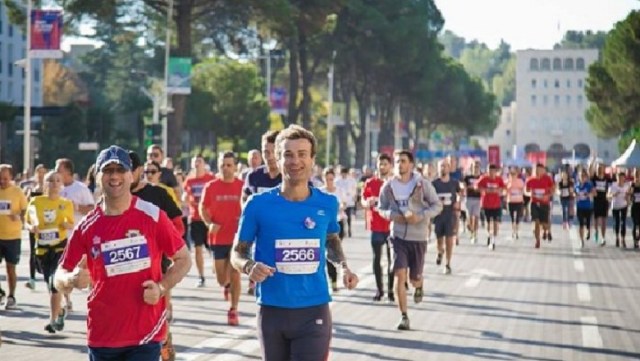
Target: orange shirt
[
  {"x": 222, "y": 201},
  {"x": 193, "y": 187}
]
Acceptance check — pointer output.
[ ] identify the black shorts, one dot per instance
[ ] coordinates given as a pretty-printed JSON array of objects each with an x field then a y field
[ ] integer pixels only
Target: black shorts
[
  {"x": 220, "y": 252},
  {"x": 294, "y": 333},
  {"x": 515, "y": 211},
  {"x": 492, "y": 214},
  {"x": 379, "y": 237},
  {"x": 584, "y": 217},
  {"x": 540, "y": 212},
  {"x": 10, "y": 251},
  {"x": 444, "y": 225},
  {"x": 409, "y": 254},
  {"x": 600, "y": 208},
  {"x": 199, "y": 233},
  {"x": 47, "y": 264}
]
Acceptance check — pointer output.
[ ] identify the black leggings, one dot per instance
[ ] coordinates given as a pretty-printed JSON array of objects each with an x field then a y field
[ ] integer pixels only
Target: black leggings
[
  {"x": 620, "y": 216},
  {"x": 350, "y": 211},
  {"x": 331, "y": 269},
  {"x": 635, "y": 217},
  {"x": 515, "y": 211},
  {"x": 32, "y": 256},
  {"x": 377, "y": 266}
]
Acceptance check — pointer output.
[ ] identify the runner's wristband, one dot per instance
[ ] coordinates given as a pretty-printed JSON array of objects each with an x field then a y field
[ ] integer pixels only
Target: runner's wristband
[{"x": 246, "y": 269}]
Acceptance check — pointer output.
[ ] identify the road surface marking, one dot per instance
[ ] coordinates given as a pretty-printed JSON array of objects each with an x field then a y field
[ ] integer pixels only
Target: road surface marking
[
  {"x": 578, "y": 264},
  {"x": 584, "y": 292},
  {"x": 590, "y": 334},
  {"x": 477, "y": 275}
]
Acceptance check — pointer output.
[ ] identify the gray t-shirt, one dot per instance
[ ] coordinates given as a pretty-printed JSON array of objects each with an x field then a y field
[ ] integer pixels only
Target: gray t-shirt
[{"x": 447, "y": 193}]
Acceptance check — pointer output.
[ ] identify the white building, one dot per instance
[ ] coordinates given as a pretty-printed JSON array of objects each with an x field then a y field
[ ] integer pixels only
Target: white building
[
  {"x": 504, "y": 135},
  {"x": 551, "y": 104},
  {"x": 13, "y": 48}
]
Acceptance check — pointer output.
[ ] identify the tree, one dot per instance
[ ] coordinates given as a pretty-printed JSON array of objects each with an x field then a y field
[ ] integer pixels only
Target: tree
[
  {"x": 239, "y": 108},
  {"x": 612, "y": 86},
  {"x": 574, "y": 39}
]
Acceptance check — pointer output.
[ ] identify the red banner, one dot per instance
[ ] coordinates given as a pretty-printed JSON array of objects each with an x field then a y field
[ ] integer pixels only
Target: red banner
[
  {"x": 493, "y": 154},
  {"x": 537, "y": 157},
  {"x": 46, "y": 34}
]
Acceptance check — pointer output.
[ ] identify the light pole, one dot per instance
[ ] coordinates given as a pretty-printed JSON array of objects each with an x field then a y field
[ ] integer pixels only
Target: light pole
[
  {"x": 329, "y": 109},
  {"x": 167, "y": 47},
  {"x": 26, "y": 140}
]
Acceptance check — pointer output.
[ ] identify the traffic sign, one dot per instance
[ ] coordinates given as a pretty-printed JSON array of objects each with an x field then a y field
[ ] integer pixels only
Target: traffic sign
[{"x": 88, "y": 146}]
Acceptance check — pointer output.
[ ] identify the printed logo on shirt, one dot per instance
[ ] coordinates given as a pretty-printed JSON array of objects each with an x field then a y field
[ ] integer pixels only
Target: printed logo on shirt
[{"x": 49, "y": 215}]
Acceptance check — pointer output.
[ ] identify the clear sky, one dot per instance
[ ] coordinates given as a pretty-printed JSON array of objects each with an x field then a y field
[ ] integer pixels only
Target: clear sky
[{"x": 535, "y": 24}]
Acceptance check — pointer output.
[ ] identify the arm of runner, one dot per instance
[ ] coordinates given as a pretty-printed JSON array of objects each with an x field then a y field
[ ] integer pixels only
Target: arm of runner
[
  {"x": 241, "y": 261},
  {"x": 434, "y": 205},
  {"x": 204, "y": 213},
  {"x": 386, "y": 209},
  {"x": 335, "y": 255},
  {"x": 154, "y": 291}
]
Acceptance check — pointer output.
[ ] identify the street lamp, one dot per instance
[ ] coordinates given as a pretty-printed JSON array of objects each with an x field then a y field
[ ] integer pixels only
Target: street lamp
[
  {"x": 329, "y": 109},
  {"x": 167, "y": 47}
]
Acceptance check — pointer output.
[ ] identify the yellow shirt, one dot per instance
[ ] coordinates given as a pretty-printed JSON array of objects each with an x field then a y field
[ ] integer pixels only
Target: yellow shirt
[
  {"x": 49, "y": 215},
  {"x": 12, "y": 202}
]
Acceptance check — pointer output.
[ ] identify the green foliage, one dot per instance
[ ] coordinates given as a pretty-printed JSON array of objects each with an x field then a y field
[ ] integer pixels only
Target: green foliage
[
  {"x": 574, "y": 39},
  {"x": 627, "y": 137},
  {"x": 612, "y": 86},
  {"x": 239, "y": 110}
]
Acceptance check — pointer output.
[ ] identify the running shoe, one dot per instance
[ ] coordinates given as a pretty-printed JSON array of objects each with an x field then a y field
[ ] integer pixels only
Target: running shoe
[
  {"x": 636, "y": 245},
  {"x": 252, "y": 288},
  {"x": 334, "y": 286},
  {"x": 403, "y": 325},
  {"x": 439, "y": 259},
  {"x": 378, "y": 296},
  {"x": 167, "y": 352},
  {"x": 588, "y": 235},
  {"x": 604, "y": 243},
  {"x": 549, "y": 238},
  {"x": 493, "y": 246},
  {"x": 3, "y": 295},
  {"x": 200, "y": 283},
  {"x": 447, "y": 270},
  {"x": 391, "y": 297},
  {"x": 31, "y": 284},
  {"x": 10, "y": 304},
  {"x": 50, "y": 328},
  {"x": 232, "y": 317},
  {"x": 417, "y": 295},
  {"x": 544, "y": 236},
  {"x": 69, "y": 307},
  {"x": 473, "y": 240},
  {"x": 489, "y": 241},
  {"x": 537, "y": 244},
  {"x": 59, "y": 323}
]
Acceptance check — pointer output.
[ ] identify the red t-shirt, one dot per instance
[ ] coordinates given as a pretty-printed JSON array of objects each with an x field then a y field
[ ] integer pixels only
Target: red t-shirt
[
  {"x": 375, "y": 222},
  {"x": 193, "y": 187},
  {"x": 491, "y": 191},
  {"x": 540, "y": 187},
  {"x": 222, "y": 201},
  {"x": 122, "y": 252}
]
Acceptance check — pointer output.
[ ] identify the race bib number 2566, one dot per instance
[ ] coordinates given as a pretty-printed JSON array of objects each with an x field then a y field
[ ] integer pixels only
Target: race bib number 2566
[{"x": 297, "y": 256}]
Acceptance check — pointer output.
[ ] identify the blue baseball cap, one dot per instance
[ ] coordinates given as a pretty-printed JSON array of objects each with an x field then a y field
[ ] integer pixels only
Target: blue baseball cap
[{"x": 113, "y": 154}]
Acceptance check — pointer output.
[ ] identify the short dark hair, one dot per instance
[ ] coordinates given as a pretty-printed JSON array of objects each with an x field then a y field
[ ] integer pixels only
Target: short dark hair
[
  {"x": 405, "y": 152},
  {"x": 228, "y": 154},
  {"x": 8, "y": 168},
  {"x": 154, "y": 163},
  {"x": 344, "y": 170},
  {"x": 270, "y": 136},
  {"x": 329, "y": 170},
  {"x": 66, "y": 163},
  {"x": 384, "y": 156},
  {"x": 294, "y": 132},
  {"x": 540, "y": 165},
  {"x": 493, "y": 166},
  {"x": 136, "y": 162}
]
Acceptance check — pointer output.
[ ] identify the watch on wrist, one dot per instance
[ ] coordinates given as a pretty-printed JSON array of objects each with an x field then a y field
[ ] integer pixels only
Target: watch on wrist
[{"x": 246, "y": 269}]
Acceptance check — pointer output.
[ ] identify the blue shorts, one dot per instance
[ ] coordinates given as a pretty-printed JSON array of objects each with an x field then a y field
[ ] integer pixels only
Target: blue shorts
[
  {"x": 379, "y": 237},
  {"x": 146, "y": 352},
  {"x": 10, "y": 251}
]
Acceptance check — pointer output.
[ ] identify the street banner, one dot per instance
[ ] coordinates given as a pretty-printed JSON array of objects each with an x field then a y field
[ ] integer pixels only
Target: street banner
[
  {"x": 493, "y": 154},
  {"x": 537, "y": 157},
  {"x": 279, "y": 100},
  {"x": 46, "y": 34},
  {"x": 179, "y": 81}
]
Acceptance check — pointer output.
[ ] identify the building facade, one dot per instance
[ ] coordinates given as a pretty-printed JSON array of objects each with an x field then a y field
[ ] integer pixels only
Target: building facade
[{"x": 551, "y": 105}]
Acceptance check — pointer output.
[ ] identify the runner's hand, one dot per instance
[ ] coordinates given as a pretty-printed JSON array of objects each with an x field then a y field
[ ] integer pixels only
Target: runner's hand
[
  {"x": 414, "y": 218},
  {"x": 81, "y": 279},
  {"x": 151, "y": 292},
  {"x": 14, "y": 217},
  {"x": 350, "y": 279},
  {"x": 260, "y": 272}
]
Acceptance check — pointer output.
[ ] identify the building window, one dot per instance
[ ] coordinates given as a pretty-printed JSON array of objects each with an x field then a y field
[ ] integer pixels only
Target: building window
[
  {"x": 580, "y": 83},
  {"x": 533, "y": 83},
  {"x": 568, "y": 83},
  {"x": 568, "y": 64},
  {"x": 545, "y": 100},
  {"x": 556, "y": 83},
  {"x": 1, "y": 53},
  {"x": 556, "y": 100},
  {"x": 508, "y": 132},
  {"x": 580, "y": 64},
  {"x": 545, "y": 83},
  {"x": 22, "y": 95},
  {"x": 579, "y": 100},
  {"x": 533, "y": 64},
  {"x": 557, "y": 64},
  {"x": 546, "y": 64},
  {"x": 10, "y": 91},
  {"x": 533, "y": 100},
  {"x": 10, "y": 59},
  {"x": 10, "y": 30},
  {"x": 36, "y": 74},
  {"x": 568, "y": 99}
]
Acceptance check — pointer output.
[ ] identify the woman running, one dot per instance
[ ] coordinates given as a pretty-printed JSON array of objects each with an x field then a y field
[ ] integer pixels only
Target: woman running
[
  {"x": 515, "y": 200},
  {"x": 635, "y": 208},
  {"x": 566, "y": 189},
  {"x": 619, "y": 196},
  {"x": 49, "y": 217},
  {"x": 585, "y": 192}
]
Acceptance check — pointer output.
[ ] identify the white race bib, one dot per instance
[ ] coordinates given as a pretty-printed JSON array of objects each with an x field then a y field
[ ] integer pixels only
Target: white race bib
[
  {"x": 5, "y": 208},
  {"x": 564, "y": 192},
  {"x": 445, "y": 198},
  {"x": 126, "y": 255},
  {"x": 48, "y": 237},
  {"x": 297, "y": 256}
]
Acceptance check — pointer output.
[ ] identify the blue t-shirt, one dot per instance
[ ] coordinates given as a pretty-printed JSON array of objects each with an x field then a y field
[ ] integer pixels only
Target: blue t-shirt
[
  {"x": 291, "y": 236},
  {"x": 583, "y": 195}
]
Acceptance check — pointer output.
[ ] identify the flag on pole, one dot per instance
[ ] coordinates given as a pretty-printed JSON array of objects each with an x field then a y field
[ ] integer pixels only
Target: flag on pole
[{"x": 46, "y": 34}]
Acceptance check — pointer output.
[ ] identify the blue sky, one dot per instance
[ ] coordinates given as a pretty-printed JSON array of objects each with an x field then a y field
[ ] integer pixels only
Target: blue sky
[{"x": 536, "y": 24}]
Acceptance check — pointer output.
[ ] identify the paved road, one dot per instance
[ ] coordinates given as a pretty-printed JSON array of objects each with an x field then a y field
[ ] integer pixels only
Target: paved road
[{"x": 514, "y": 303}]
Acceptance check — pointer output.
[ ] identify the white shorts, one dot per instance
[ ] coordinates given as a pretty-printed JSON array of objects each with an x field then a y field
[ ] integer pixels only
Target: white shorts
[{"x": 473, "y": 207}]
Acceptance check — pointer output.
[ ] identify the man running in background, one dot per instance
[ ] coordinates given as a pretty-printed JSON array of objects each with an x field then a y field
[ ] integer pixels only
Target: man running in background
[
  {"x": 491, "y": 186},
  {"x": 220, "y": 208},
  {"x": 444, "y": 223},
  {"x": 541, "y": 187},
  {"x": 473, "y": 199}
]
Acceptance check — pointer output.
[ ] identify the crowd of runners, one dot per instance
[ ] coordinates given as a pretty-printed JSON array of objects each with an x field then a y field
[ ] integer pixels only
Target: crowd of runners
[{"x": 129, "y": 232}]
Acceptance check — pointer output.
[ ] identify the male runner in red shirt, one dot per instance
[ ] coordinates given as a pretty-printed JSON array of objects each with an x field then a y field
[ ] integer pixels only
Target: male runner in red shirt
[
  {"x": 541, "y": 187},
  {"x": 491, "y": 186}
]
